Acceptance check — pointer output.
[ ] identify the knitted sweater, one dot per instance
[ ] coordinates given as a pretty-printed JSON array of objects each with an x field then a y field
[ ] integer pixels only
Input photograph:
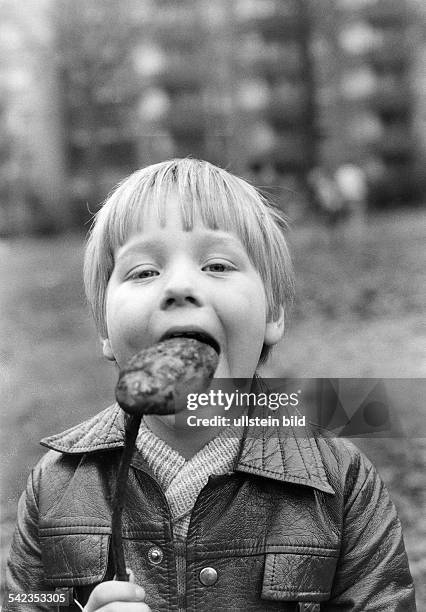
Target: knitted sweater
[{"x": 181, "y": 479}]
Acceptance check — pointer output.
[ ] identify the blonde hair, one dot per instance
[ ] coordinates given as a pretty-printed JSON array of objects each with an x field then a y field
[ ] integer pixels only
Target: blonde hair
[{"x": 222, "y": 200}]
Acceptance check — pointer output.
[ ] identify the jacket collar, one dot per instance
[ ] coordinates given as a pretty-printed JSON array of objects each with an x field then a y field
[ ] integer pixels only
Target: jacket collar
[{"x": 270, "y": 453}]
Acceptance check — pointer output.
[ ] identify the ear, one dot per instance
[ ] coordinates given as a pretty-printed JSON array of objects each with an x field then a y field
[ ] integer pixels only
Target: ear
[
  {"x": 274, "y": 330},
  {"x": 107, "y": 350}
]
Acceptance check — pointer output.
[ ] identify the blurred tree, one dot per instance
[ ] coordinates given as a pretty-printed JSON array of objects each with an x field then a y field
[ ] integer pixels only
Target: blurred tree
[
  {"x": 33, "y": 175},
  {"x": 5, "y": 155},
  {"x": 95, "y": 40}
]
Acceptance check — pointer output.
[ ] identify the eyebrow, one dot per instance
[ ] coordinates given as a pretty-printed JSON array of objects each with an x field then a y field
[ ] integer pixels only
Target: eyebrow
[
  {"x": 217, "y": 237},
  {"x": 145, "y": 244},
  {"x": 209, "y": 238}
]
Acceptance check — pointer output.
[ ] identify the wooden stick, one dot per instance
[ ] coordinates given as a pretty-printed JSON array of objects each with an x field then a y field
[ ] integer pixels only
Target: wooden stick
[{"x": 131, "y": 431}]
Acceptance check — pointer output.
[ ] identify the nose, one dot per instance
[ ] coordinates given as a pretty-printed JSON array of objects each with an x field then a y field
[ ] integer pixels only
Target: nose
[{"x": 181, "y": 291}]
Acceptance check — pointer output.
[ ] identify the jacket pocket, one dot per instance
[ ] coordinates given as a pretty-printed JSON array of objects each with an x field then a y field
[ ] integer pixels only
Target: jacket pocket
[
  {"x": 298, "y": 576},
  {"x": 73, "y": 559}
]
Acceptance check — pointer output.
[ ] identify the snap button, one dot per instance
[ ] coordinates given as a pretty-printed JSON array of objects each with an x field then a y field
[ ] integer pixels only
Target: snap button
[
  {"x": 208, "y": 576},
  {"x": 155, "y": 555}
]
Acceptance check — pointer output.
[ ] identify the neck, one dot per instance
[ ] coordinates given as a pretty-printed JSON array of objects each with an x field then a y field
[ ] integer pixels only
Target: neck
[{"x": 187, "y": 441}]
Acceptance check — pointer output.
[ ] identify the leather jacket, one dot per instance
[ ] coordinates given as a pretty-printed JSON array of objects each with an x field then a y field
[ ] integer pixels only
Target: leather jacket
[{"x": 302, "y": 523}]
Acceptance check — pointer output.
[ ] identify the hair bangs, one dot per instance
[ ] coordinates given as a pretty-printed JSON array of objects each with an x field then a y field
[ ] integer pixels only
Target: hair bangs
[{"x": 216, "y": 197}]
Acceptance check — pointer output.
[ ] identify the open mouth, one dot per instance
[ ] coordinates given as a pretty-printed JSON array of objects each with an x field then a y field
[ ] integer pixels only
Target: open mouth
[{"x": 196, "y": 335}]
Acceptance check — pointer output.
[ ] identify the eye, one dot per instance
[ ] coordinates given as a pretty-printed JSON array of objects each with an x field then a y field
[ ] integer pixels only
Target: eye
[
  {"x": 143, "y": 273},
  {"x": 219, "y": 266}
]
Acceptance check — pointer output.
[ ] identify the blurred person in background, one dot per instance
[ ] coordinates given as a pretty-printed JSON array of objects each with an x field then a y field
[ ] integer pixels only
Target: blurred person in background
[
  {"x": 328, "y": 198},
  {"x": 352, "y": 186}
]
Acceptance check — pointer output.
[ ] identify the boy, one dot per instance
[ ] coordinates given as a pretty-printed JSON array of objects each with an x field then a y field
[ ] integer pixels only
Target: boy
[{"x": 211, "y": 522}]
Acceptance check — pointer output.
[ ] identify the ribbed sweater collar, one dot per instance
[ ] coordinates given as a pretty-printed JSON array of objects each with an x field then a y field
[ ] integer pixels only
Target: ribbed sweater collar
[{"x": 181, "y": 479}]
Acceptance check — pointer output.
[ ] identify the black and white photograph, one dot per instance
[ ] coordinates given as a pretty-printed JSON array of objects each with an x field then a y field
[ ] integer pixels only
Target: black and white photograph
[{"x": 213, "y": 305}]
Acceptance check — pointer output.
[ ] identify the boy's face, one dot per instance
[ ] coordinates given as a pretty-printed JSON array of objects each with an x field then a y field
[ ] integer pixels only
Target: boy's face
[{"x": 167, "y": 280}]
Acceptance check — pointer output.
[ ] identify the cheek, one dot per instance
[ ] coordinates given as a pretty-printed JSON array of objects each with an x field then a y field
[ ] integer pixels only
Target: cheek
[
  {"x": 246, "y": 315},
  {"x": 245, "y": 338},
  {"x": 253, "y": 302},
  {"x": 125, "y": 319}
]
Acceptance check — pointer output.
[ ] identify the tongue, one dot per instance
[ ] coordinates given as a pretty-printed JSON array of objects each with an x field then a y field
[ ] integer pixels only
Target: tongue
[{"x": 158, "y": 379}]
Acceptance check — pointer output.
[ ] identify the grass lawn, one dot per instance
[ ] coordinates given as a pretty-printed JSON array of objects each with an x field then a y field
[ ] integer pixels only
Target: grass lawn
[{"x": 360, "y": 312}]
